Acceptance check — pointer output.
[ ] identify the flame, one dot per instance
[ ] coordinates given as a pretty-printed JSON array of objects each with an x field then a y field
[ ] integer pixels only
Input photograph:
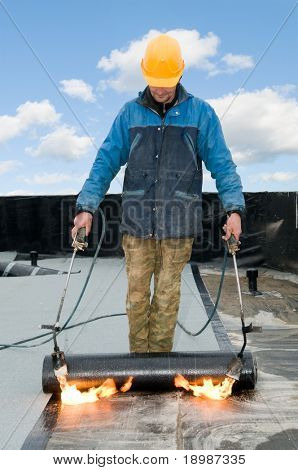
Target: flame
[
  {"x": 208, "y": 389},
  {"x": 70, "y": 395},
  {"x": 127, "y": 385}
]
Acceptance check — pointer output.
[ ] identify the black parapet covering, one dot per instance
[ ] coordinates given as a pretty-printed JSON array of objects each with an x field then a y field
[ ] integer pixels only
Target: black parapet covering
[
  {"x": 30, "y": 223},
  {"x": 150, "y": 371},
  {"x": 281, "y": 248},
  {"x": 43, "y": 224}
]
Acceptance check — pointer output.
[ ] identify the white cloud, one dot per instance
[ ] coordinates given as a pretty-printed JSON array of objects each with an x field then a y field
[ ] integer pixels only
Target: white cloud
[
  {"x": 55, "y": 178},
  {"x": 9, "y": 165},
  {"x": 62, "y": 143},
  {"x": 56, "y": 192},
  {"x": 279, "y": 176},
  {"x": 208, "y": 182},
  {"x": 196, "y": 50},
  {"x": 232, "y": 63},
  {"x": 27, "y": 115},
  {"x": 19, "y": 192},
  {"x": 260, "y": 125},
  {"x": 78, "y": 89},
  {"x": 286, "y": 89},
  {"x": 238, "y": 61}
]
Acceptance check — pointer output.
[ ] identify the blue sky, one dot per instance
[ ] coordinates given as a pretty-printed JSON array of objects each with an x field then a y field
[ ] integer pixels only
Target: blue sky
[{"x": 91, "y": 51}]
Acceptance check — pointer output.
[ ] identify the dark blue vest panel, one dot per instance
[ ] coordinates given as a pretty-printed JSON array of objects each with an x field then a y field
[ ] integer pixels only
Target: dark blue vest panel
[{"x": 162, "y": 189}]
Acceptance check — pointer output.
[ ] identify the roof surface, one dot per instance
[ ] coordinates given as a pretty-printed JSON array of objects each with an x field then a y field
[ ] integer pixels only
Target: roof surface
[{"x": 264, "y": 418}]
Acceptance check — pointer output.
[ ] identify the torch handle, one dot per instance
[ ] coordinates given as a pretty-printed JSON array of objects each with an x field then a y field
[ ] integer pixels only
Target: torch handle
[
  {"x": 81, "y": 235},
  {"x": 80, "y": 241},
  {"x": 233, "y": 245}
]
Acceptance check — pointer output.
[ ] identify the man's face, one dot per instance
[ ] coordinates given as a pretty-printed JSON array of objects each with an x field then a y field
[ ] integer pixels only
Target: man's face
[{"x": 163, "y": 94}]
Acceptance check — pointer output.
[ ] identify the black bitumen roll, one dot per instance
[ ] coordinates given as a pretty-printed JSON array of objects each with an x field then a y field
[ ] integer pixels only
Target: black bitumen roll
[{"x": 150, "y": 371}]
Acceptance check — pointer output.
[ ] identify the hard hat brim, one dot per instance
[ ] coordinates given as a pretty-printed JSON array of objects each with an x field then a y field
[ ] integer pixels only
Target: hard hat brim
[{"x": 162, "y": 82}]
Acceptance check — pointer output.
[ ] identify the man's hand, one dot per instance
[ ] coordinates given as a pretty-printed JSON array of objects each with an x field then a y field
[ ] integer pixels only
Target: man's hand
[
  {"x": 83, "y": 219},
  {"x": 233, "y": 226}
]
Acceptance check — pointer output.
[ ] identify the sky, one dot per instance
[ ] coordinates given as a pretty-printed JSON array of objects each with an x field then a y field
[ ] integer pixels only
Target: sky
[{"x": 67, "y": 67}]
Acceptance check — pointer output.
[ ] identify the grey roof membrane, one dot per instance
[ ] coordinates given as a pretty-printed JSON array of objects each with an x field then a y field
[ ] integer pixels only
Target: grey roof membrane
[
  {"x": 264, "y": 418},
  {"x": 27, "y": 302}
]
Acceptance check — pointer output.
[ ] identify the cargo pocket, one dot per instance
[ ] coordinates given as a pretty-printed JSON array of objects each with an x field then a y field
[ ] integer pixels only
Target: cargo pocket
[
  {"x": 181, "y": 195},
  {"x": 134, "y": 192},
  {"x": 136, "y": 250},
  {"x": 183, "y": 250}
]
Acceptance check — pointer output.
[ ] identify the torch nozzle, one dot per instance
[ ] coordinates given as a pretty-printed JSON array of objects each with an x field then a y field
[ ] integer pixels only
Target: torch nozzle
[{"x": 59, "y": 364}]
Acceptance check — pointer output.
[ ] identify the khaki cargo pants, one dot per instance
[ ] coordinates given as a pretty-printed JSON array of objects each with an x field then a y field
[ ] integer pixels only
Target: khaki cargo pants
[{"x": 152, "y": 323}]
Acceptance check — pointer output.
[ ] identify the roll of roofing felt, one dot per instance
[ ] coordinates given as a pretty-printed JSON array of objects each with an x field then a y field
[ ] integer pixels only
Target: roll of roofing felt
[{"x": 150, "y": 371}]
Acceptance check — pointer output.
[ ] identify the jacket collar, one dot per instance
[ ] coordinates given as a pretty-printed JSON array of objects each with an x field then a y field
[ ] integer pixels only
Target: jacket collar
[{"x": 183, "y": 95}]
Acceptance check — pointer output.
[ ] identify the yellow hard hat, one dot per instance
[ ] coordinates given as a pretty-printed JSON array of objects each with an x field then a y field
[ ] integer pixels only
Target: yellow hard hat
[{"x": 162, "y": 65}]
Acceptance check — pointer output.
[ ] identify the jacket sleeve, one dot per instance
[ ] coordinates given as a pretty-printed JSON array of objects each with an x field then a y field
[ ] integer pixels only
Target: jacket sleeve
[
  {"x": 217, "y": 157},
  {"x": 112, "y": 154}
]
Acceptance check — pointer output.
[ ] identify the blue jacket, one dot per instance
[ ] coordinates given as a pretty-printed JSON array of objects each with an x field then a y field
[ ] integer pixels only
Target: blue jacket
[{"x": 162, "y": 190}]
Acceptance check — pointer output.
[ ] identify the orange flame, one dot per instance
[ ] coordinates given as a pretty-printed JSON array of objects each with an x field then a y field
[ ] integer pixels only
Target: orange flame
[
  {"x": 70, "y": 395},
  {"x": 208, "y": 389},
  {"x": 127, "y": 385}
]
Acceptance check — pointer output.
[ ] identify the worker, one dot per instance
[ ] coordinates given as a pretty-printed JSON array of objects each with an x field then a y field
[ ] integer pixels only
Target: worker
[{"x": 162, "y": 137}]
